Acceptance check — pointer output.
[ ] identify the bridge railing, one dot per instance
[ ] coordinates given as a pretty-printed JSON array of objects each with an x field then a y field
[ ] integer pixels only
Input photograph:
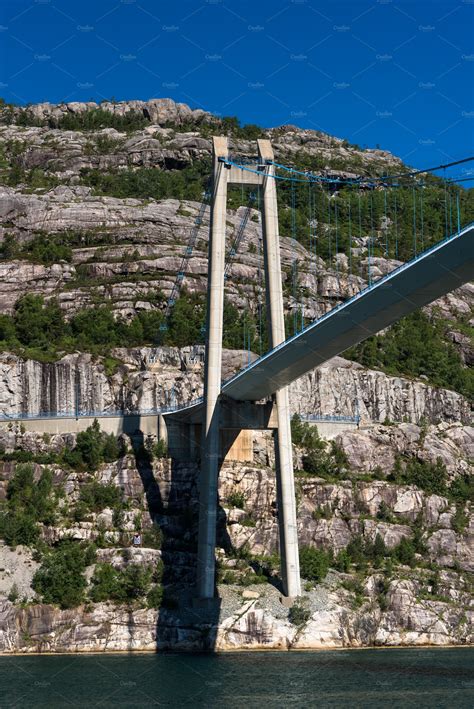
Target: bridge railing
[
  {"x": 329, "y": 419},
  {"x": 97, "y": 414}
]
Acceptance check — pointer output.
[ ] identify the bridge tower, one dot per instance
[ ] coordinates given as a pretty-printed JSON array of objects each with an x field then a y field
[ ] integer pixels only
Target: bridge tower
[{"x": 224, "y": 174}]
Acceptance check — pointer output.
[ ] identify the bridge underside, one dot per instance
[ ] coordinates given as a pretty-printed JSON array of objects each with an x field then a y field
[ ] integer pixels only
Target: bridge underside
[{"x": 437, "y": 272}]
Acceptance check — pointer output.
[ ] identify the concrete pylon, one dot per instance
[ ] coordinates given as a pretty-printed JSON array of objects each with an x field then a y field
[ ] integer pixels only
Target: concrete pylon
[
  {"x": 290, "y": 570},
  {"x": 212, "y": 377}
]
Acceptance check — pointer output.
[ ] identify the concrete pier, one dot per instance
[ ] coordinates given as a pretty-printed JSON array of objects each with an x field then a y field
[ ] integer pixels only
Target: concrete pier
[
  {"x": 290, "y": 570},
  {"x": 212, "y": 377}
]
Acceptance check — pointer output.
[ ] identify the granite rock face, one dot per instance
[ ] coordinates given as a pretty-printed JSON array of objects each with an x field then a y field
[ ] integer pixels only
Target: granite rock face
[
  {"x": 242, "y": 624},
  {"x": 125, "y": 253},
  {"x": 407, "y": 610},
  {"x": 153, "y": 378}
]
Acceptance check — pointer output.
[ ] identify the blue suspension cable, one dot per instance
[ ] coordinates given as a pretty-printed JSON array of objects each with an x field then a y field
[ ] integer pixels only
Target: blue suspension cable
[
  {"x": 396, "y": 224},
  {"x": 371, "y": 238},
  {"x": 337, "y": 240},
  {"x": 422, "y": 220},
  {"x": 450, "y": 212},
  {"x": 382, "y": 178},
  {"x": 414, "y": 220},
  {"x": 350, "y": 234},
  {"x": 360, "y": 226},
  {"x": 445, "y": 205},
  {"x": 329, "y": 231},
  {"x": 294, "y": 277}
]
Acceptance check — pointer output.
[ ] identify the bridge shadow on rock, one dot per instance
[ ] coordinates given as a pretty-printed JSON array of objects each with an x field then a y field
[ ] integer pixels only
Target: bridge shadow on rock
[{"x": 171, "y": 490}]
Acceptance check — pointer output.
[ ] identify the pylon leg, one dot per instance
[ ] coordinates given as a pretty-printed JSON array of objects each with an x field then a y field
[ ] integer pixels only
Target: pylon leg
[
  {"x": 286, "y": 501},
  {"x": 212, "y": 379}
]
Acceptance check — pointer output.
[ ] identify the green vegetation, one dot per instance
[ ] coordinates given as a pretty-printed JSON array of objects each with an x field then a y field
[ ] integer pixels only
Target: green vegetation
[
  {"x": 153, "y": 537},
  {"x": 461, "y": 489},
  {"x": 92, "y": 448},
  {"x": 317, "y": 459},
  {"x": 149, "y": 183},
  {"x": 314, "y": 563},
  {"x": 299, "y": 614},
  {"x": 160, "y": 449},
  {"x": 414, "y": 346},
  {"x": 130, "y": 584},
  {"x": 42, "y": 249},
  {"x": 60, "y": 578},
  {"x": 362, "y": 554},
  {"x": 39, "y": 330},
  {"x": 95, "y": 496},
  {"x": 28, "y": 503},
  {"x": 236, "y": 499},
  {"x": 228, "y": 125},
  {"x": 92, "y": 119},
  {"x": 432, "y": 478},
  {"x": 360, "y": 551}
]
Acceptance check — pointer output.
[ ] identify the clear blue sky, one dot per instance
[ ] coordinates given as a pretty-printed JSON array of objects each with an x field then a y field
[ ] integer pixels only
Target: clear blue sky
[{"x": 398, "y": 73}]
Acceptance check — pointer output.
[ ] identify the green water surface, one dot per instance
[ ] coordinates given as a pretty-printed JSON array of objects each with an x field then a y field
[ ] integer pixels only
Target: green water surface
[{"x": 339, "y": 678}]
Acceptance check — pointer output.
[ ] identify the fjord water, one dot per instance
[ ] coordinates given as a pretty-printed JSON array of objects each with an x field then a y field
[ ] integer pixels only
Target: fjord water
[{"x": 356, "y": 678}]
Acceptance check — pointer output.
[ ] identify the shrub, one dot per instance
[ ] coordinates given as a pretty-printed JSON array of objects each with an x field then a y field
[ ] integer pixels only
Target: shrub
[
  {"x": 46, "y": 250},
  {"x": 28, "y": 502},
  {"x": 110, "y": 448},
  {"x": 342, "y": 561},
  {"x": 404, "y": 552},
  {"x": 160, "y": 449},
  {"x": 236, "y": 499},
  {"x": 105, "y": 583},
  {"x": 460, "y": 520},
  {"x": 97, "y": 118},
  {"x": 145, "y": 183},
  {"x": 154, "y": 597},
  {"x": 378, "y": 550},
  {"x": 96, "y": 496},
  {"x": 356, "y": 550},
  {"x": 92, "y": 448},
  {"x": 361, "y": 551},
  {"x": 152, "y": 538},
  {"x": 298, "y": 614},
  {"x": 120, "y": 585},
  {"x": 13, "y": 594},
  {"x": 355, "y": 586},
  {"x": 95, "y": 326},
  {"x": 384, "y": 512},
  {"x": 17, "y": 527},
  {"x": 37, "y": 324},
  {"x": 314, "y": 563},
  {"x": 323, "y": 512},
  {"x": 462, "y": 489},
  {"x": 60, "y": 578},
  {"x": 317, "y": 460},
  {"x": 430, "y": 477}
]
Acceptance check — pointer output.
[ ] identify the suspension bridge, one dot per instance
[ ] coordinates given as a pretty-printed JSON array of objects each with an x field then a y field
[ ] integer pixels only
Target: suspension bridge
[{"x": 340, "y": 212}]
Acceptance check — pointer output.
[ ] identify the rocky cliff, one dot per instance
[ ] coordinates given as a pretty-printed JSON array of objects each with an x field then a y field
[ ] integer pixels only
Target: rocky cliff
[
  {"x": 426, "y": 602},
  {"x": 399, "y": 554}
]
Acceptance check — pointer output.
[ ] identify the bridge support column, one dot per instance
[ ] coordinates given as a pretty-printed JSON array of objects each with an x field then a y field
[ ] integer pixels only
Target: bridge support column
[
  {"x": 212, "y": 377},
  {"x": 290, "y": 570}
]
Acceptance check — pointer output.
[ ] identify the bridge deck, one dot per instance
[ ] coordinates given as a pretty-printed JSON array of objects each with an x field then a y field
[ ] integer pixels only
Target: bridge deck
[{"x": 441, "y": 269}]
